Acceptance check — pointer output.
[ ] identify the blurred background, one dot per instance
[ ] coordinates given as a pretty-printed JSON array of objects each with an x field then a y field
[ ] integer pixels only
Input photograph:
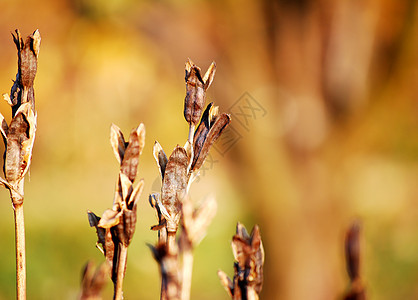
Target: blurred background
[{"x": 323, "y": 96}]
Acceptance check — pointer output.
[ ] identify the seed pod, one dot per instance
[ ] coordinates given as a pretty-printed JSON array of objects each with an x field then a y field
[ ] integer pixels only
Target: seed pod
[
  {"x": 196, "y": 87},
  {"x": 28, "y": 51},
  {"x": 208, "y": 131},
  {"x": 174, "y": 185}
]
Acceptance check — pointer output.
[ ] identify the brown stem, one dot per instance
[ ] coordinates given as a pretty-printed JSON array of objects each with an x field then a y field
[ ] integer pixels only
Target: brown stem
[
  {"x": 123, "y": 255},
  {"x": 20, "y": 252},
  {"x": 171, "y": 242},
  {"x": 191, "y": 133},
  {"x": 187, "y": 269}
]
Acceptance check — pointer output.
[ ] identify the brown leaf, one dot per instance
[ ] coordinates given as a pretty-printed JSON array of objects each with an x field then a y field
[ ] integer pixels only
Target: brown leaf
[
  {"x": 174, "y": 185},
  {"x": 160, "y": 158},
  {"x": 118, "y": 142}
]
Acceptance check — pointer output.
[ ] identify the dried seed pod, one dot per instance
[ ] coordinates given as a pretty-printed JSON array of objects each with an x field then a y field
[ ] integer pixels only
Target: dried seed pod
[
  {"x": 249, "y": 255},
  {"x": 209, "y": 130},
  {"x": 19, "y": 143},
  {"x": 129, "y": 164},
  {"x": 28, "y": 51},
  {"x": 93, "y": 281},
  {"x": 174, "y": 186},
  {"x": 196, "y": 87}
]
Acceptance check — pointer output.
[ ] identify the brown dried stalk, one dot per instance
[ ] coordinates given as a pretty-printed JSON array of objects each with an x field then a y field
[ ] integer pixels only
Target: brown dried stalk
[
  {"x": 18, "y": 137},
  {"x": 173, "y": 205},
  {"x": 116, "y": 227},
  {"x": 249, "y": 255},
  {"x": 356, "y": 289}
]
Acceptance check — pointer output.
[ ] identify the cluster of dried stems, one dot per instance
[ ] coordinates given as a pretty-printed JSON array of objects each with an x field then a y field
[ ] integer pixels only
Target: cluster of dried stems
[
  {"x": 173, "y": 205},
  {"x": 18, "y": 137}
]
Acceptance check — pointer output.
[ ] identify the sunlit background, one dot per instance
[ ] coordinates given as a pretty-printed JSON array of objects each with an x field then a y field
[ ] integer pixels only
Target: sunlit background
[{"x": 323, "y": 97}]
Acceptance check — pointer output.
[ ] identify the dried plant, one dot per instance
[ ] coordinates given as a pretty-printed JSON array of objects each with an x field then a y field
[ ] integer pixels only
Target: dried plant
[
  {"x": 18, "y": 137},
  {"x": 356, "y": 289},
  {"x": 248, "y": 268},
  {"x": 116, "y": 227},
  {"x": 173, "y": 205},
  {"x": 94, "y": 280}
]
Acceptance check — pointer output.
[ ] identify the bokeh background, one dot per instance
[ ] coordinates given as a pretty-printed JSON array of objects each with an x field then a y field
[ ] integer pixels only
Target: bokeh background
[{"x": 331, "y": 137}]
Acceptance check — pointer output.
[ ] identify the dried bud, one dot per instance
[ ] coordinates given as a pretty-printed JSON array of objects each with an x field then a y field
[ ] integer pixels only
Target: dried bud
[
  {"x": 249, "y": 254},
  {"x": 196, "y": 87},
  {"x": 28, "y": 51},
  {"x": 209, "y": 130}
]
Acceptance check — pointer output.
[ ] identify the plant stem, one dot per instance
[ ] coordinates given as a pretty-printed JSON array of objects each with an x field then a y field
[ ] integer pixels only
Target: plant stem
[
  {"x": 123, "y": 255},
  {"x": 171, "y": 242},
  {"x": 187, "y": 274},
  {"x": 20, "y": 252}
]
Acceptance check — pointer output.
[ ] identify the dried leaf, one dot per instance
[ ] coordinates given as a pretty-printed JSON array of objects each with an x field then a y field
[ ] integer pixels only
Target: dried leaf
[
  {"x": 100, "y": 232},
  {"x": 160, "y": 157},
  {"x": 174, "y": 185},
  {"x": 118, "y": 142}
]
